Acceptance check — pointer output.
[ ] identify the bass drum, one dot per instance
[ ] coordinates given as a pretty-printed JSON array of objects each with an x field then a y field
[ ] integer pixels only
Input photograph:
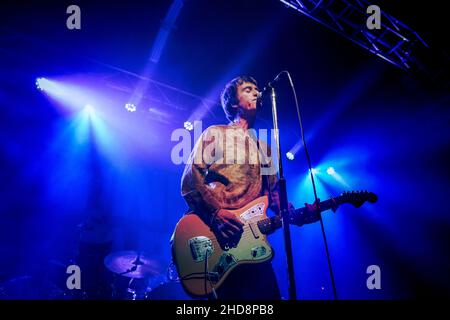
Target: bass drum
[{"x": 171, "y": 290}]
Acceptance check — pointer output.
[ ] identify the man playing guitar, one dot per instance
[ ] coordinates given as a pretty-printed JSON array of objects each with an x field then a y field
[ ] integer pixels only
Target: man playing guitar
[{"x": 212, "y": 185}]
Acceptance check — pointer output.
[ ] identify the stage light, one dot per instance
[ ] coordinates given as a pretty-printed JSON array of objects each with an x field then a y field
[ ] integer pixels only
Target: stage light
[
  {"x": 331, "y": 171},
  {"x": 130, "y": 107},
  {"x": 89, "y": 109},
  {"x": 314, "y": 171},
  {"x": 41, "y": 83},
  {"x": 188, "y": 125},
  {"x": 290, "y": 155}
]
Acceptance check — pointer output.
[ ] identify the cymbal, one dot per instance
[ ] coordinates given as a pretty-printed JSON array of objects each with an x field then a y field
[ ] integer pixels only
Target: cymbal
[{"x": 132, "y": 264}]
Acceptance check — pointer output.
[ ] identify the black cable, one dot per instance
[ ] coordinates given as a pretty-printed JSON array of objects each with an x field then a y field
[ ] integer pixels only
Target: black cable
[
  {"x": 206, "y": 273},
  {"x": 208, "y": 276},
  {"x": 308, "y": 159}
]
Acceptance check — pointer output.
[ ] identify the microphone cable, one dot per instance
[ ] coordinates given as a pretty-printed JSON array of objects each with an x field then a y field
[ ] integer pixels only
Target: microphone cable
[{"x": 308, "y": 159}]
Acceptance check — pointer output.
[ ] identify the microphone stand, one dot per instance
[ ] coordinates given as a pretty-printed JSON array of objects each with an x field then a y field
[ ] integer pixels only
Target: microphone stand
[
  {"x": 283, "y": 193},
  {"x": 283, "y": 201}
]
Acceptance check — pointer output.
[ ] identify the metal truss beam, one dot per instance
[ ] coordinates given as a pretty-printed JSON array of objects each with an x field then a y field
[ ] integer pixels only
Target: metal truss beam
[
  {"x": 394, "y": 42},
  {"x": 176, "y": 100}
]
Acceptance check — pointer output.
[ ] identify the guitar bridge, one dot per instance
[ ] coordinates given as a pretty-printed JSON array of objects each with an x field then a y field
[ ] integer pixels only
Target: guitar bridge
[
  {"x": 226, "y": 261},
  {"x": 201, "y": 248}
]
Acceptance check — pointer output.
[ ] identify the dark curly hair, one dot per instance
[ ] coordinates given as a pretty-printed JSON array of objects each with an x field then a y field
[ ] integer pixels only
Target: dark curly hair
[{"x": 228, "y": 97}]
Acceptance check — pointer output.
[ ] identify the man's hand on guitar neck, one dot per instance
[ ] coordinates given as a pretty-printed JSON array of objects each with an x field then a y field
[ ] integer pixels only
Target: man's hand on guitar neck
[
  {"x": 227, "y": 227},
  {"x": 274, "y": 202},
  {"x": 309, "y": 215}
]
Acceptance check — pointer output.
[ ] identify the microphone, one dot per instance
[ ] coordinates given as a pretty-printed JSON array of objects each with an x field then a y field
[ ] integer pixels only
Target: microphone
[
  {"x": 260, "y": 94},
  {"x": 266, "y": 88}
]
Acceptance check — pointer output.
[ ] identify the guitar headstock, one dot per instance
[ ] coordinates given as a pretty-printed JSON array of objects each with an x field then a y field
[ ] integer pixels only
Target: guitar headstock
[{"x": 357, "y": 198}]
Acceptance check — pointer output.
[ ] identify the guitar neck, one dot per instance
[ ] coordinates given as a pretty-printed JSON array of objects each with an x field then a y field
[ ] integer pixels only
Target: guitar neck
[
  {"x": 269, "y": 225},
  {"x": 323, "y": 206}
]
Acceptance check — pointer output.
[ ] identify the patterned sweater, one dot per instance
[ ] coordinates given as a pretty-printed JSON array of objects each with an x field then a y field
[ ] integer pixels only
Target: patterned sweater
[{"x": 228, "y": 168}]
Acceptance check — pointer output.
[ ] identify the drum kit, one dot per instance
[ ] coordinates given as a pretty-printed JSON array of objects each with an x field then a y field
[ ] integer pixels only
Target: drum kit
[
  {"x": 139, "y": 276},
  {"x": 124, "y": 275}
]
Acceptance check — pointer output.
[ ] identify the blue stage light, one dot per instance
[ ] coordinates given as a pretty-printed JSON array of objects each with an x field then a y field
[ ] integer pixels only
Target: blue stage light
[
  {"x": 89, "y": 109},
  {"x": 188, "y": 125},
  {"x": 130, "y": 107},
  {"x": 331, "y": 171},
  {"x": 290, "y": 155},
  {"x": 40, "y": 83}
]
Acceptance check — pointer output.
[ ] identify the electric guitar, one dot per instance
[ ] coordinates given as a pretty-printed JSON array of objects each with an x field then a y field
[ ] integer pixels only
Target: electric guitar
[{"x": 203, "y": 262}]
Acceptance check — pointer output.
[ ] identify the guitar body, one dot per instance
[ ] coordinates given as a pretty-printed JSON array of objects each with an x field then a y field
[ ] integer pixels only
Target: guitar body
[
  {"x": 203, "y": 264},
  {"x": 194, "y": 242}
]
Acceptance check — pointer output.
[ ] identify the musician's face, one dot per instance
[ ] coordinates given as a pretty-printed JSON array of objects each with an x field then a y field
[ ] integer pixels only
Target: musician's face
[{"x": 247, "y": 94}]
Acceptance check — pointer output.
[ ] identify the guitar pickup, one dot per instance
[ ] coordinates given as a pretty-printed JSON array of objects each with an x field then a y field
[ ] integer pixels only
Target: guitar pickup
[
  {"x": 254, "y": 232},
  {"x": 201, "y": 248}
]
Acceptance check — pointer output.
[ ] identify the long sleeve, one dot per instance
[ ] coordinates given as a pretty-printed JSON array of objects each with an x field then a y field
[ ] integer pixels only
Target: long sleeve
[
  {"x": 211, "y": 182},
  {"x": 194, "y": 188}
]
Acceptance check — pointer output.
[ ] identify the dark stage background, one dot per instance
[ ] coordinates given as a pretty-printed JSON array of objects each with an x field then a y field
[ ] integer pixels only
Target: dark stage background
[{"x": 77, "y": 185}]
